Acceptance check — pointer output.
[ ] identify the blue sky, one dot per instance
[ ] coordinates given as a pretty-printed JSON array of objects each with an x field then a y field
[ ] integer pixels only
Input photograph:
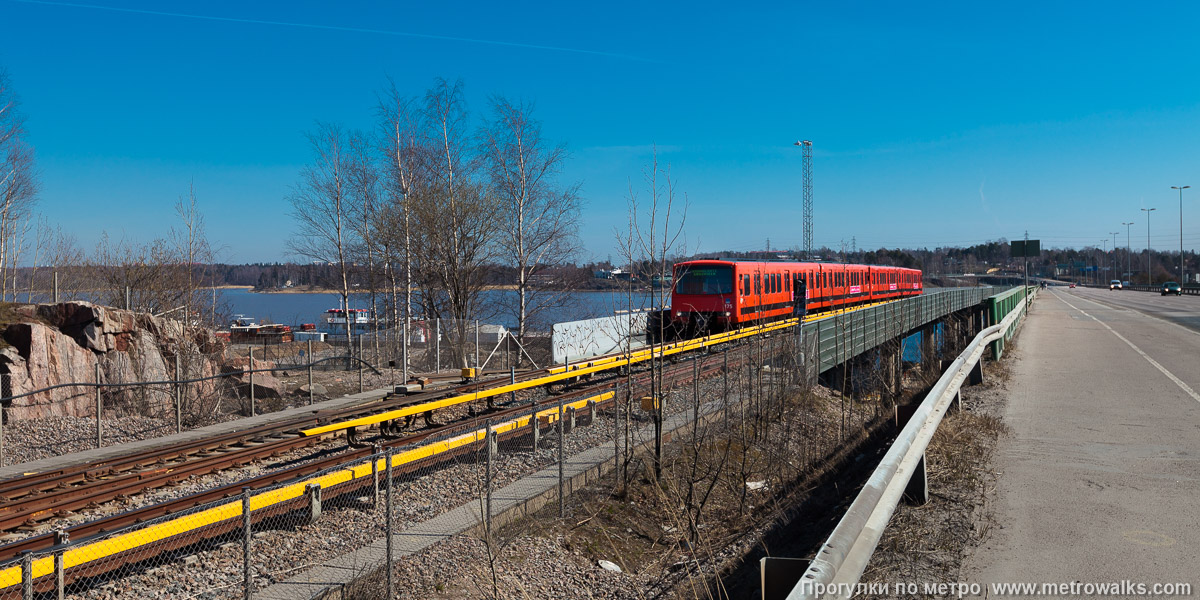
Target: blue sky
[{"x": 940, "y": 124}]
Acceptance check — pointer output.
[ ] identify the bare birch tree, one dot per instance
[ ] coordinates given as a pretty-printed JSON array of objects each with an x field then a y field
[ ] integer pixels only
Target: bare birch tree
[
  {"x": 60, "y": 254},
  {"x": 399, "y": 125},
  {"x": 455, "y": 215},
  {"x": 18, "y": 184},
  {"x": 364, "y": 185},
  {"x": 539, "y": 219},
  {"x": 194, "y": 253},
  {"x": 323, "y": 207}
]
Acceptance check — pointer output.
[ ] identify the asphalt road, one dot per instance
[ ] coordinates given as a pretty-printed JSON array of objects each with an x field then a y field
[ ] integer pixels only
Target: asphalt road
[
  {"x": 1099, "y": 480},
  {"x": 1184, "y": 310}
]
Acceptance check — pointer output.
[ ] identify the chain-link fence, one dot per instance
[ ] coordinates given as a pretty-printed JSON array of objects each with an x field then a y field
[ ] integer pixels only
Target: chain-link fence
[
  {"x": 700, "y": 447},
  {"x": 202, "y": 389}
]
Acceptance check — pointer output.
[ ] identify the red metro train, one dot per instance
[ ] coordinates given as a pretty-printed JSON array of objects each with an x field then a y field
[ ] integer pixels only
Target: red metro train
[{"x": 711, "y": 296}]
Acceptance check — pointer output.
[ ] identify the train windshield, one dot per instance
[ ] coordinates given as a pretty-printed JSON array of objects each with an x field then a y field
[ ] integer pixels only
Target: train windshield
[{"x": 700, "y": 281}]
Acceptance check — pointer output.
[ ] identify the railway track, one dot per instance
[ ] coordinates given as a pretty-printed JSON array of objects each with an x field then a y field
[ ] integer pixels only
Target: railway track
[
  {"x": 27, "y": 501},
  {"x": 35, "y": 497},
  {"x": 80, "y": 534}
]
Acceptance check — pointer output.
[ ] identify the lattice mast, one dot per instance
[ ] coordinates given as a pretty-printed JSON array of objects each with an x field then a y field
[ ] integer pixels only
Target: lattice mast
[{"x": 806, "y": 146}]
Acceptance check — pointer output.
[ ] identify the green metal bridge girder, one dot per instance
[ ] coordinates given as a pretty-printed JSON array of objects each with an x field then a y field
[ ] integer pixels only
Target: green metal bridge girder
[{"x": 835, "y": 339}]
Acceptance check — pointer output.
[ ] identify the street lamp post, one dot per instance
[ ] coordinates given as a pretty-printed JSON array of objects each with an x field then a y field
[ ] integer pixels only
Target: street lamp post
[
  {"x": 1104, "y": 254},
  {"x": 1182, "y": 277},
  {"x": 1149, "y": 282},
  {"x": 1112, "y": 259},
  {"x": 1128, "y": 254}
]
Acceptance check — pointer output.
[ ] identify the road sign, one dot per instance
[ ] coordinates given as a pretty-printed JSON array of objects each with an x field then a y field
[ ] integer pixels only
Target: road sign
[{"x": 1025, "y": 248}]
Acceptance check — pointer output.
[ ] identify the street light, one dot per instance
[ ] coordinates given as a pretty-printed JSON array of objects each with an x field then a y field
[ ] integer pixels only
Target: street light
[
  {"x": 1104, "y": 254},
  {"x": 1128, "y": 254},
  {"x": 1112, "y": 260},
  {"x": 1148, "y": 211},
  {"x": 1182, "y": 278}
]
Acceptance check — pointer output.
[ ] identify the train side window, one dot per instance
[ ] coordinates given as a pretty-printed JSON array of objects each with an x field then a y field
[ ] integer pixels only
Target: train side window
[
  {"x": 757, "y": 283},
  {"x": 775, "y": 280},
  {"x": 787, "y": 281},
  {"x": 745, "y": 285}
]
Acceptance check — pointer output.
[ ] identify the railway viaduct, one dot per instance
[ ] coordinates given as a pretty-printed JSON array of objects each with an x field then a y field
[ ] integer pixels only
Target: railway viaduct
[{"x": 1098, "y": 478}]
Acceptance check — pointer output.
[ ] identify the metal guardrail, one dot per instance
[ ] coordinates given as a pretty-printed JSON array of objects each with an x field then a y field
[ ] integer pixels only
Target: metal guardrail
[
  {"x": 841, "y": 560},
  {"x": 1191, "y": 290},
  {"x": 998, "y": 307}
]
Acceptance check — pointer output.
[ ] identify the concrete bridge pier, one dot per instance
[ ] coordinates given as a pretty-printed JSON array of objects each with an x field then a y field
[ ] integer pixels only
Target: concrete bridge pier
[{"x": 930, "y": 356}]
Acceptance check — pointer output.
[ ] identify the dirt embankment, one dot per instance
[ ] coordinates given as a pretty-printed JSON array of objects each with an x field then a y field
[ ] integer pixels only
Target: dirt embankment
[{"x": 927, "y": 544}]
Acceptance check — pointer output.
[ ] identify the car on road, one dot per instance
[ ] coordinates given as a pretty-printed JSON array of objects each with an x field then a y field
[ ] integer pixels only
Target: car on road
[
  {"x": 1172, "y": 287},
  {"x": 1114, "y": 284}
]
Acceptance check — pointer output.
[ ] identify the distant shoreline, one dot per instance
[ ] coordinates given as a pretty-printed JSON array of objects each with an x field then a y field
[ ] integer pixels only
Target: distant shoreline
[{"x": 385, "y": 291}]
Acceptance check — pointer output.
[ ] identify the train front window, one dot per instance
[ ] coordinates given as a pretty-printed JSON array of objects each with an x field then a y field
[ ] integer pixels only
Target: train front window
[{"x": 702, "y": 281}]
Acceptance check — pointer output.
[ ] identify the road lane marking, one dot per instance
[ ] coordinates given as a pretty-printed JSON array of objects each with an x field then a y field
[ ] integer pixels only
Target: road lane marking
[
  {"x": 1145, "y": 537},
  {"x": 1179, "y": 382},
  {"x": 1138, "y": 311}
]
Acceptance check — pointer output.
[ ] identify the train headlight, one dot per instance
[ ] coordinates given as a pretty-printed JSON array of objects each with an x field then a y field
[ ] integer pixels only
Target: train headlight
[
  {"x": 727, "y": 313},
  {"x": 678, "y": 314}
]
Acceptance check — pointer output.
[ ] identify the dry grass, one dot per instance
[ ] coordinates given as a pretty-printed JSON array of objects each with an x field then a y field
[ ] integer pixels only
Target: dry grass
[{"x": 927, "y": 543}]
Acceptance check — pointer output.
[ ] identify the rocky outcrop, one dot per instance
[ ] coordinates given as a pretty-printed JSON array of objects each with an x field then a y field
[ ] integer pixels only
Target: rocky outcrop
[{"x": 46, "y": 345}]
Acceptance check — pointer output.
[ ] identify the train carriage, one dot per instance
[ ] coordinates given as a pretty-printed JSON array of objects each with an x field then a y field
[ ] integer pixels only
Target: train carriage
[{"x": 716, "y": 295}]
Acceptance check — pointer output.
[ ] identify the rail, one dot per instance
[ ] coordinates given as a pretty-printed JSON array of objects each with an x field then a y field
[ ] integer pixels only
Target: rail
[
  {"x": 78, "y": 555},
  {"x": 557, "y": 375},
  {"x": 840, "y": 562}
]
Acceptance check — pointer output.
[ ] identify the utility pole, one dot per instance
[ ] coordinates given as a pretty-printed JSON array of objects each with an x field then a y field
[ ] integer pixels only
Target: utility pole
[
  {"x": 1128, "y": 255},
  {"x": 1149, "y": 282},
  {"x": 806, "y": 146}
]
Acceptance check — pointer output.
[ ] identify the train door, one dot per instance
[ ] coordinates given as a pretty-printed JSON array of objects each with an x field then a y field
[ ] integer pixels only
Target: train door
[
  {"x": 758, "y": 293},
  {"x": 799, "y": 295}
]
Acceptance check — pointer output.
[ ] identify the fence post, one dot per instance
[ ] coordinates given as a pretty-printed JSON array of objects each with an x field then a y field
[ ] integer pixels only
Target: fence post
[
  {"x": 512, "y": 379},
  {"x": 375, "y": 452},
  {"x": 387, "y": 521},
  {"x": 725, "y": 385},
  {"x": 437, "y": 353},
  {"x": 99, "y": 427},
  {"x": 491, "y": 442},
  {"x": 562, "y": 507},
  {"x": 404, "y": 345},
  {"x": 27, "y": 575},
  {"x": 476, "y": 343},
  {"x": 311, "y": 360},
  {"x": 59, "y": 579},
  {"x": 360, "y": 364},
  {"x": 56, "y": 287},
  {"x": 617, "y": 434},
  {"x": 128, "y": 299},
  {"x": 178, "y": 397},
  {"x": 252, "y": 381},
  {"x": 5, "y": 391},
  {"x": 61, "y": 538},
  {"x": 247, "y": 582}
]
